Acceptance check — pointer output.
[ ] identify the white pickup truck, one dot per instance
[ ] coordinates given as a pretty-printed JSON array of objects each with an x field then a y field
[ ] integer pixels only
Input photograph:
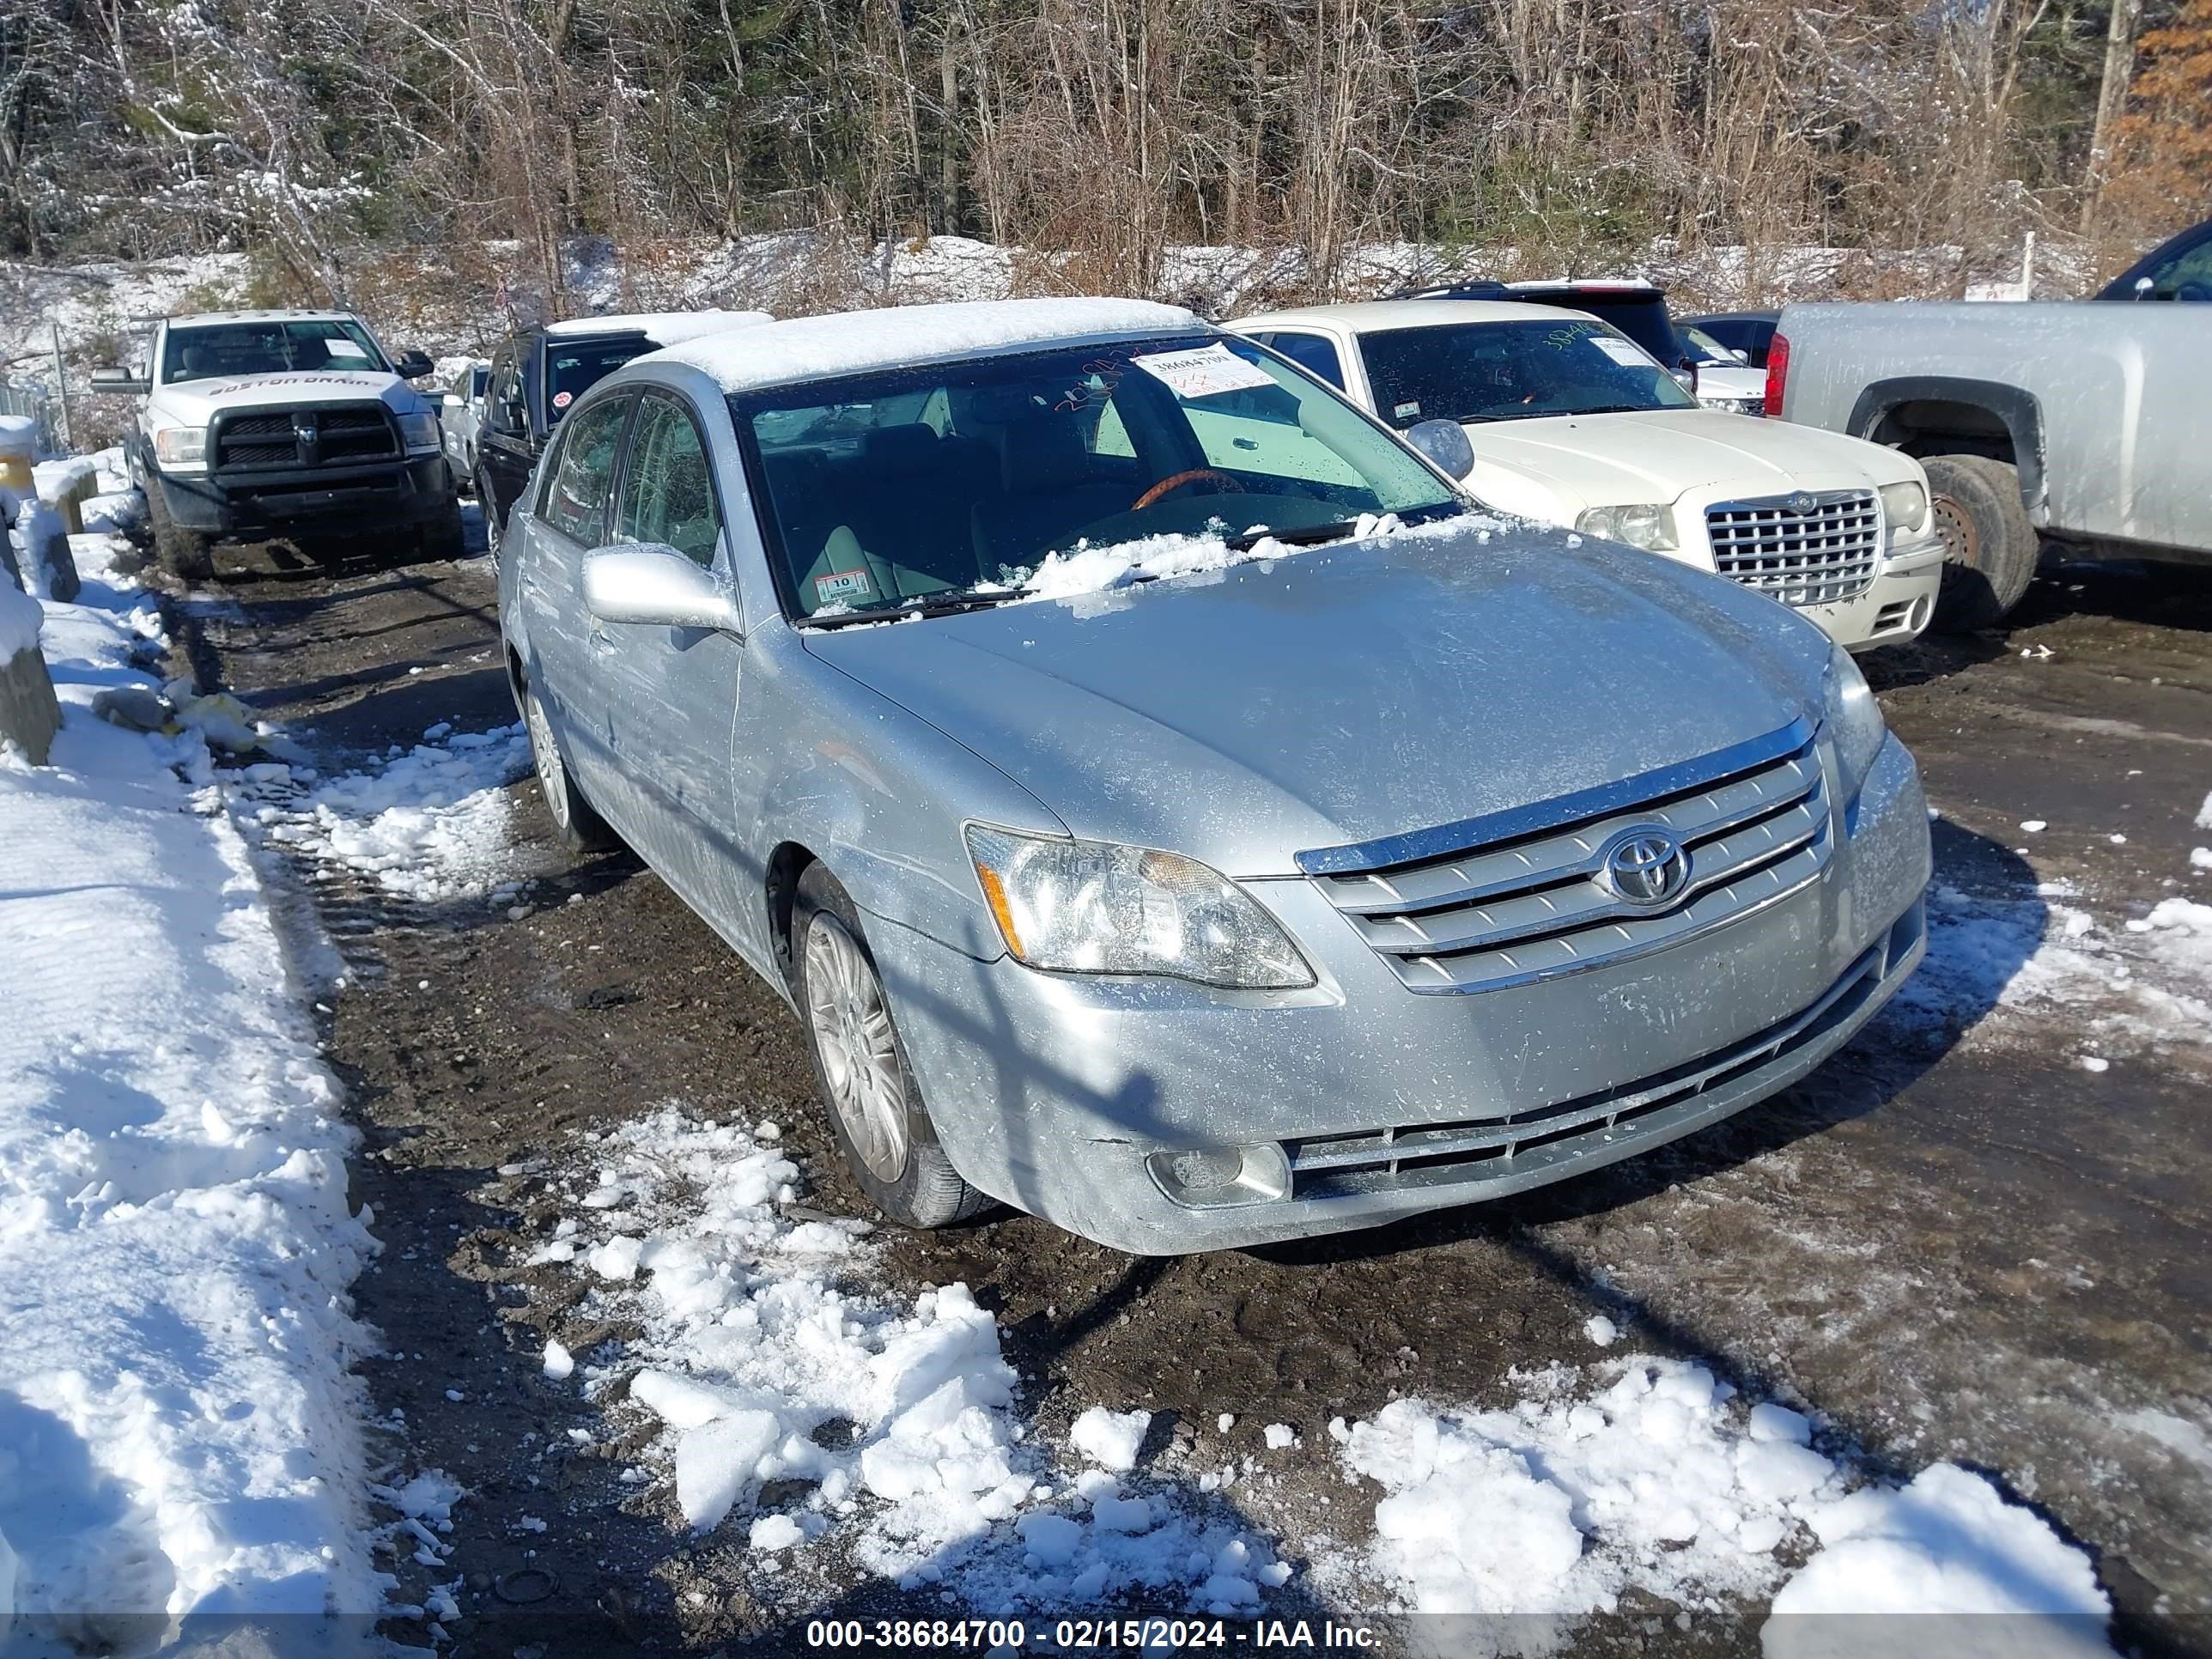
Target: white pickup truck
[
  {"x": 2076, "y": 423},
  {"x": 261, "y": 424}
]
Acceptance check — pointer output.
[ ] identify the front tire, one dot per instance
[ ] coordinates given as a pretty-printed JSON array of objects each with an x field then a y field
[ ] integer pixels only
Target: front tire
[
  {"x": 1990, "y": 548},
  {"x": 187, "y": 555},
  {"x": 443, "y": 541},
  {"x": 861, "y": 1069},
  {"x": 578, "y": 828}
]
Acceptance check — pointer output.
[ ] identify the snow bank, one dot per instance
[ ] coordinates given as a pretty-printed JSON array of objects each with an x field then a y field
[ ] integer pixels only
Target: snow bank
[
  {"x": 890, "y": 1427},
  {"x": 1549, "y": 1511},
  {"x": 810, "y": 348},
  {"x": 178, "y": 1432},
  {"x": 430, "y": 822}
]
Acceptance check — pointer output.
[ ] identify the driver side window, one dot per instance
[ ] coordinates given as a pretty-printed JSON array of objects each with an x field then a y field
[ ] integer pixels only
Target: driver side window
[{"x": 2187, "y": 276}]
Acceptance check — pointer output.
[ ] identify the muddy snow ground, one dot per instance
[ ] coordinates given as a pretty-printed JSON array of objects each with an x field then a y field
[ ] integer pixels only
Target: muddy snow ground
[{"x": 1932, "y": 1323}]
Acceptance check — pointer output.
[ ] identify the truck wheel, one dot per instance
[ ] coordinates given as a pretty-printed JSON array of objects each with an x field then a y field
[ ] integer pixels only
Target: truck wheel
[
  {"x": 442, "y": 540},
  {"x": 1990, "y": 549},
  {"x": 188, "y": 554},
  {"x": 578, "y": 828},
  {"x": 860, "y": 1065}
]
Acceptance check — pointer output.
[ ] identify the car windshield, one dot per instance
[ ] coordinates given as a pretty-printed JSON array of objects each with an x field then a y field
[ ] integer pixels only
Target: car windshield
[
  {"x": 1640, "y": 313},
  {"x": 571, "y": 370},
  {"x": 1706, "y": 348},
  {"x": 1513, "y": 371},
  {"x": 221, "y": 350},
  {"x": 947, "y": 486}
]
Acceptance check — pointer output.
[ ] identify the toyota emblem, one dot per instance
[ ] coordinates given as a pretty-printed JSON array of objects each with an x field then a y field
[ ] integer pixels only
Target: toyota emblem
[{"x": 1645, "y": 866}]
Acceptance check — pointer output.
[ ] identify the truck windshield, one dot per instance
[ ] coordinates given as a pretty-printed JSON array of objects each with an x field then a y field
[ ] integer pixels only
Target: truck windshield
[
  {"x": 221, "y": 350},
  {"x": 1513, "y": 371},
  {"x": 572, "y": 369},
  {"x": 947, "y": 485}
]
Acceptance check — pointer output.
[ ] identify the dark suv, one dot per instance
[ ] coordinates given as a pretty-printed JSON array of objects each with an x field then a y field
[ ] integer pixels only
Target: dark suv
[
  {"x": 538, "y": 373},
  {"x": 1636, "y": 309}
]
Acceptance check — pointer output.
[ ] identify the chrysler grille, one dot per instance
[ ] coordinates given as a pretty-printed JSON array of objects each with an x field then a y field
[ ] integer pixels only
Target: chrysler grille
[
  {"x": 1523, "y": 898},
  {"x": 1801, "y": 550}
]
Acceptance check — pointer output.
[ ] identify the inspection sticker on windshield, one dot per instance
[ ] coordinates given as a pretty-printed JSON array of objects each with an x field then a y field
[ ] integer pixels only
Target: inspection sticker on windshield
[
  {"x": 1204, "y": 371},
  {"x": 843, "y": 585},
  {"x": 1623, "y": 352}
]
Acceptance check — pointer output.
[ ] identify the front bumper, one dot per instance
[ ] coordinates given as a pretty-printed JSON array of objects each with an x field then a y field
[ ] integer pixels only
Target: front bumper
[
  {"x": 1896, "y": 605},
  {"x": 377, "y": 496},
  {"x": 1052, "y": 1092}
]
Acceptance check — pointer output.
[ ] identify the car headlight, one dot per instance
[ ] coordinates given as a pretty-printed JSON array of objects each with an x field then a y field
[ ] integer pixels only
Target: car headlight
[
  {"x": 180, "y": 445},
  {"x": 1091, "y": 906},
  {"x": 1853, "y": 719},
  {"x": 1737, "y": 405},
  {"x": 419, "y": 431},
  {"x": 1905, "y": 506},
  {"x": 1650, "y": 527}
]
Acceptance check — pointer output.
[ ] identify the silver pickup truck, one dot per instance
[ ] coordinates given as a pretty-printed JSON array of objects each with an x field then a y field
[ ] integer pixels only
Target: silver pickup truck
[{"x": 2089, "y": 425}]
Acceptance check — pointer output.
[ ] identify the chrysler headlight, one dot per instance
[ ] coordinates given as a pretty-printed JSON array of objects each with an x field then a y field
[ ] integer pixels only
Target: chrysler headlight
[
  {"x": 1905, "y": 506},
  {"x": 419, "y": 432},
  {"x": 180, "y": 445},
  {"x": 1091, "y": 906},
  {"x": 1853, "y": 719},
  {"x": 1650, "y": 527}
]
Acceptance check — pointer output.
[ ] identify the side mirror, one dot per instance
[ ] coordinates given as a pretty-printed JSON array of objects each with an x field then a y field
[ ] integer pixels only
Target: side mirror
[
  {"x": 452, "y": 400},
  {"x": 1686, "y": 378},
  {"x": 412, "y": 365},
  {"x": 655, "y": 586},
  {"x": 1444, "y": 442},
  {"x": 119, "y": 382}
]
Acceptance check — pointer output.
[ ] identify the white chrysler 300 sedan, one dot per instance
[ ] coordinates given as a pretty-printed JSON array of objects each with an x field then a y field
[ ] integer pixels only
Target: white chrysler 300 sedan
[
  {"x": 1573, "y": 423},
  {"x": 1185, "y": 882}
]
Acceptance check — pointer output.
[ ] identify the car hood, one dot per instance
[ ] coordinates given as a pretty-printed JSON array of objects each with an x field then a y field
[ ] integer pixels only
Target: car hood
[
  {"x": 1349, "y": 692},
  {"x": 197, "y": 402},
  {"x": 1607, "y": 460}
]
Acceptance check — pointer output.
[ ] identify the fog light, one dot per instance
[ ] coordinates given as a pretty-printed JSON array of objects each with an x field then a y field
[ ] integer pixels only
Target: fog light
[
  {"x": 1217, "y": 1177},
  {"x": 1921, "y": 608}
]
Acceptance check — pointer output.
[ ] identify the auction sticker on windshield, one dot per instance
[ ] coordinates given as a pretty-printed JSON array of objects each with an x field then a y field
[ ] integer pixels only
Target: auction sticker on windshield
[
  {"x": 1624, "y": 352},
  {"x": 1203, "y": 371}
]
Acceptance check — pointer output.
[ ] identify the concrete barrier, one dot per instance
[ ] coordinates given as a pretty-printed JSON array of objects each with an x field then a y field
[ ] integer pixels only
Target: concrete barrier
[{"x": 29, "y": 715}]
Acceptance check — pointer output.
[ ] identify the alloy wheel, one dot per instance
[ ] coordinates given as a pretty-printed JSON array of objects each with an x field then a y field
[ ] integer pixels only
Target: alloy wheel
[
  {"x": 852, "y": 1030},
  {"x": 545, "y": 754}
]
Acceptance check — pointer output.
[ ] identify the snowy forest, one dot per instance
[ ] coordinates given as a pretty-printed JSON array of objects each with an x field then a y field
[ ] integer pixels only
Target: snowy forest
[{"x": 302, "y": 131}]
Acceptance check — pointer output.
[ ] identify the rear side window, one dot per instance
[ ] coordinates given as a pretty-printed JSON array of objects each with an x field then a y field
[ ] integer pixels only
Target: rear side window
[
  {"x": 2186, "y": 275},
  {"x": 1311, "y": 353},
  {"x": 571, "y": 370},
  {"x": 668, "y": 489},
  {"x": 583, "y": 474}
]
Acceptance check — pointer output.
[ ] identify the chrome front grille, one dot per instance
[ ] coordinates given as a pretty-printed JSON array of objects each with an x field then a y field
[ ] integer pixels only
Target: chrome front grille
[
  {"x": 1520, "y": 897},
  {"x": 1803, "y": 548}
]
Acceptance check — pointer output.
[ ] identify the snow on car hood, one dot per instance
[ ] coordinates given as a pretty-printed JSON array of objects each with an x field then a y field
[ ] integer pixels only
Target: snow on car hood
[
  {"x": 1350, "y": 692},
  {"x": 1604, "y": 461},
  {"x": 194, "y": 403}
]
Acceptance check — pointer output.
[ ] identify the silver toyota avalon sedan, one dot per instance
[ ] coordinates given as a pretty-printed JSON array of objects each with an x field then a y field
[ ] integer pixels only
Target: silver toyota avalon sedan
[{"x": 1172, "y": 808}]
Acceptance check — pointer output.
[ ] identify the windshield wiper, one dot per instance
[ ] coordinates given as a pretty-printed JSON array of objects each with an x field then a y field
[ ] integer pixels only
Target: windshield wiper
[
  {"x": 1613, "y": 409},
  {"x": 1310, "y": 535},
  {"x": 948, "y": 605}
]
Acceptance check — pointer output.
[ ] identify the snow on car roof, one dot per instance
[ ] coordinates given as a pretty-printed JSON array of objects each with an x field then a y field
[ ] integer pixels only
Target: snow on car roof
[
  {"x": 1371, "y": 316},
  {"x": 663, "y": 327},
  {"x": 815, "y": 348}
]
